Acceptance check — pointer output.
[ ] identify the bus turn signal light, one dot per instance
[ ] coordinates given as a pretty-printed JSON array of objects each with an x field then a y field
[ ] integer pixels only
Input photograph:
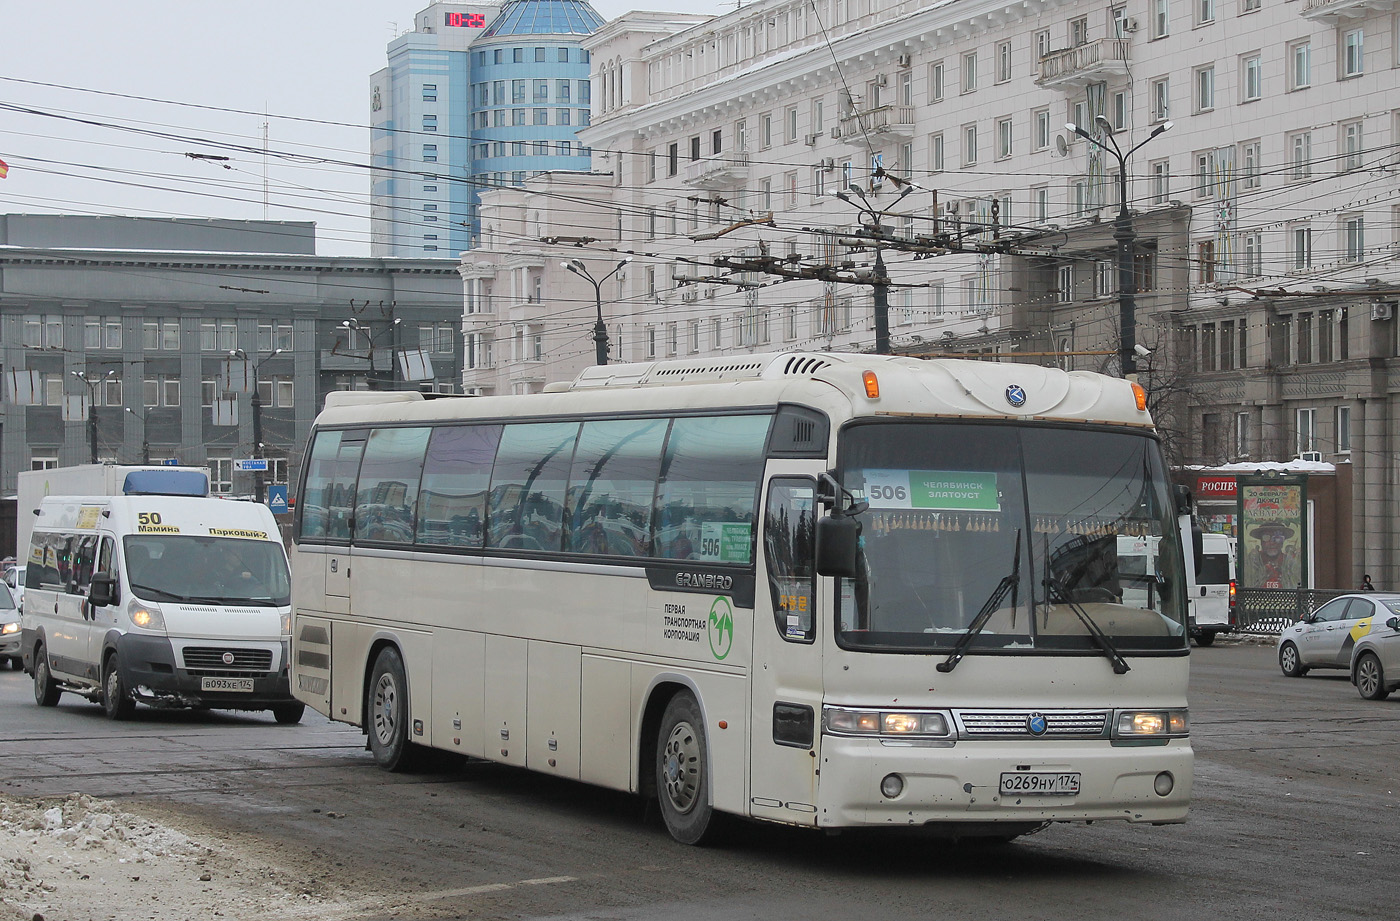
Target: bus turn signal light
[
  {"x": 1141, "y": 396},
  {"x": 872, "y": 385}
]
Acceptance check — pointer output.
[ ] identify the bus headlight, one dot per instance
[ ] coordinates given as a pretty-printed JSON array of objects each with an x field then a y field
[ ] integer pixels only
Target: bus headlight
[
  {"x": 1151, "y": 724},
  {"x": 146, "y": 616},
  {"x": 888, "y": 724}
]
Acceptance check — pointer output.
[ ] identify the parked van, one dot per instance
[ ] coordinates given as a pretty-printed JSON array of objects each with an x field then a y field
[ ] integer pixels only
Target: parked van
[
  {"x": 173, "y": 601},
  {"x": 1213, "y": 594}
]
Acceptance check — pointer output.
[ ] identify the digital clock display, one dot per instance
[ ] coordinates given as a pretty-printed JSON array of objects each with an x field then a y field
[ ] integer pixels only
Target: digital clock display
[{"x": 466, "y": 20}]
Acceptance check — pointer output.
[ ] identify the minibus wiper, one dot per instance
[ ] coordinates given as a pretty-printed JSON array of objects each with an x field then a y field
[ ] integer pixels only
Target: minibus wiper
[
  {"x": 989, "y": 607},
  {"x": 1055, "y": 587},
  {"x": 149, "y": 590}
]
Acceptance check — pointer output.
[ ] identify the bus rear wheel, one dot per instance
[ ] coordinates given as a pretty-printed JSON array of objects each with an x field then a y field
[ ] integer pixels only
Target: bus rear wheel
[
  {"x": 46, "y": 690},
  {"x": 683, "y": 774},
  {"x": 387, "y": 717}
]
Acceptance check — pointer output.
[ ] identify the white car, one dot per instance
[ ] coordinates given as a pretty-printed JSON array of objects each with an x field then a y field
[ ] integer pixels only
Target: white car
[
  {"x": 1375, "y": 660},
  {"x": 9, "y": 628},
  {"x": 1327, "y": 637}
]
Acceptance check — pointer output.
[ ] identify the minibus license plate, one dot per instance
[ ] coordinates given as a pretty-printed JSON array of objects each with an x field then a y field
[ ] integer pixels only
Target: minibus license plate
[
  {"x": 1040, "y": 784},
  {"x": 246, "y": 684}
]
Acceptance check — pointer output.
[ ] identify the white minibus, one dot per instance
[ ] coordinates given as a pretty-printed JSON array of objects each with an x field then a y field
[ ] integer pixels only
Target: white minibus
[{"x": 171, "y": 601}]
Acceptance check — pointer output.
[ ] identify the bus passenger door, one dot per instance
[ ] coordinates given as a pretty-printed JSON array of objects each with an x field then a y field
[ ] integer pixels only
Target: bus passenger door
[
  {"x": 787, "y": 666},
  {"x": 340, "y": 520}
]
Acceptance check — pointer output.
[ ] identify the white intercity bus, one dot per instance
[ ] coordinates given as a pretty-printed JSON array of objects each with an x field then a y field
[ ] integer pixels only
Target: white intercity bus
[{"x": 829, "y": 590}]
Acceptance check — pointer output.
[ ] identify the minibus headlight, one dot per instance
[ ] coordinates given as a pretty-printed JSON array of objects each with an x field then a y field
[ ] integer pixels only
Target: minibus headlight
[
  {"x": 1151, "y": 724},
  {"x": 145, "y": 615},
  {"x": 889, "y": 724}
]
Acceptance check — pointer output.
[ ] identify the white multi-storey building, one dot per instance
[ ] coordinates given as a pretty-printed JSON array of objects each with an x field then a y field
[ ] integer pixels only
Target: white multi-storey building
[{"x": 1265, "y": 221}]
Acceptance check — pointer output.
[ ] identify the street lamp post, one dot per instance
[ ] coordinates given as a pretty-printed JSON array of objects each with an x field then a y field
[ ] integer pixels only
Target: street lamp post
[
  {"x": 145, "y": 436},
  {"x": 353, "y": 325},
  {"x": 870, "y": 217},
  {"x": 92, "y": 385},
  {"x": 600, "y": 329},
  {"x": 256, "y": 402},
  {"x": 1124, "y": 239}
]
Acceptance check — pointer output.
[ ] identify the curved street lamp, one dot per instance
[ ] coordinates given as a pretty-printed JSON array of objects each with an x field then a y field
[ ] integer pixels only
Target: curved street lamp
[
  {"x": 145, "y": 437},
  {"x": 600, "y": 329},
  {"x": 256, "y": 402},
  {"x": 92, "y": 385},
  {"x": 1123, "y": 236}
]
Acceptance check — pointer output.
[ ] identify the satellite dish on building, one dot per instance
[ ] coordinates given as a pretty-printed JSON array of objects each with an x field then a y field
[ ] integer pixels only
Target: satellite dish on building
[{"x": 1061, "y": 146}]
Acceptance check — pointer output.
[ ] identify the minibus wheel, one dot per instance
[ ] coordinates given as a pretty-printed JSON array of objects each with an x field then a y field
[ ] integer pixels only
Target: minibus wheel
[
  {"x": 387, "y": 713},
  {"x": 117, "y": 701},
  {"x": 46, "y": 690},
  {"x": 683, "y": 772}
]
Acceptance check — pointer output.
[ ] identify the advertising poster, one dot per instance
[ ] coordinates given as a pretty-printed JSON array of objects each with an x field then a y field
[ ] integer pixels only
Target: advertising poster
[{"x": 1273, "y": 532}]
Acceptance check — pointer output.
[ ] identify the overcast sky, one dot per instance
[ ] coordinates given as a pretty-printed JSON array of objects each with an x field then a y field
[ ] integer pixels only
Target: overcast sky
[{"x": 99, "y": 150}]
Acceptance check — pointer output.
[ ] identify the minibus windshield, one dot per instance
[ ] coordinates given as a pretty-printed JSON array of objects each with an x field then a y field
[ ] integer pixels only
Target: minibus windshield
[{"x": 206, "y": 570}]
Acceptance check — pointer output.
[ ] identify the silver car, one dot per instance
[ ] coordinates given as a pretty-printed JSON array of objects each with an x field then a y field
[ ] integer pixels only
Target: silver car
[
  {"x": 1327, "y": 637},
  {"x": 9, "y": 628},
  {"x": 1375, "y": 660}
]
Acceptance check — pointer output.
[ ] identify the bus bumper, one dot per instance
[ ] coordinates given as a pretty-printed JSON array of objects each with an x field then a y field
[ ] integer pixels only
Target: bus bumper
[{"x": 961, "y": 782}]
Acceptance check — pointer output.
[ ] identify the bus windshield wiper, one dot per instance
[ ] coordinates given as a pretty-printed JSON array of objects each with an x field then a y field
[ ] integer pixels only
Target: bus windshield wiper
[
  {"x": 1054, "y": 586},
  {"x": 989, "y": 607}
]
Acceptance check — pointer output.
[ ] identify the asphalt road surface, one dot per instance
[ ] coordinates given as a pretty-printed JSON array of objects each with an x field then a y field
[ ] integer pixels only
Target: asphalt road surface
[{"x": 1296, "y": 815}]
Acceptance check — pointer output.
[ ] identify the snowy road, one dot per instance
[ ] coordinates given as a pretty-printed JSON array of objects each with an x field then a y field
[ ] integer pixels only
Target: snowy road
[{"x": 1296, "y": 814}]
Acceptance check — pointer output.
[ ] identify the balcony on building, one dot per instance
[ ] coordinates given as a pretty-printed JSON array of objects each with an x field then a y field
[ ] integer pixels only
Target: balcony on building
[
  {"x": 526, "y": 371},
  {"x": 1092, "y": 62},
  {"x": 717, "y": 172},
  {"x": 881, "y": 121},
  {"x": 1334, "y": 11}
]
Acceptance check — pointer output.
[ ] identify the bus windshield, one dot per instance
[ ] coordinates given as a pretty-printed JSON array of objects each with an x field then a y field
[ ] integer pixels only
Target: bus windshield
[
  {"x": 207, "y": 570},
  {"x": 948, "y": 503}
]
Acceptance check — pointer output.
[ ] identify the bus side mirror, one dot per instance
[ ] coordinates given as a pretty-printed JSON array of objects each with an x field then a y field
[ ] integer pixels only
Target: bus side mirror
[
  {"x": 838, "y": 546},
  {"x": 103, "y": 590},
  {"x": 1182, "y": 495}
]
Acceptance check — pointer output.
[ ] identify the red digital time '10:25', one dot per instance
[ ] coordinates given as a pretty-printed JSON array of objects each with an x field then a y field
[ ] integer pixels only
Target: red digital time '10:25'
[{"x": 467, "y": 20}]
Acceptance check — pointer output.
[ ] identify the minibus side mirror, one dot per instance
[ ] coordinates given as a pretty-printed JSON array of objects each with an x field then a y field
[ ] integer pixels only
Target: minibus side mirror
[
  {"x": 103, "y": 590},
  {"x": 838, "y": 546}
]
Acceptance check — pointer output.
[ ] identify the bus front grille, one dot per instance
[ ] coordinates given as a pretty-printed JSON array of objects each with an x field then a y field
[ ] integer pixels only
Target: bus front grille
[{"x": 1019, "y": 724}]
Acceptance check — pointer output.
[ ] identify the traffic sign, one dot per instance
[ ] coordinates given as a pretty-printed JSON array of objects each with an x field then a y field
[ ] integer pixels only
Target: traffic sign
[
  {"x": 277, "y": 499},
  {"x": 251, "y": 464}
]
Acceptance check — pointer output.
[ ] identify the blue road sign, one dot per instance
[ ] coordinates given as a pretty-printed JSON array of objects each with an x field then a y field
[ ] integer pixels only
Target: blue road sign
[{"x": 277, "y": 499}]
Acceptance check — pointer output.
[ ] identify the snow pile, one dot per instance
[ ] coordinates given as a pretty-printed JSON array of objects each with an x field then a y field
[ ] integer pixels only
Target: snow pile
[{"x": 79, "y": 821}]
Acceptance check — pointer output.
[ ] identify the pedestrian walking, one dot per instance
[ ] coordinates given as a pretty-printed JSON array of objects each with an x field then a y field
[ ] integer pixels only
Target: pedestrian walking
[{"x": 1366, "y": 584}]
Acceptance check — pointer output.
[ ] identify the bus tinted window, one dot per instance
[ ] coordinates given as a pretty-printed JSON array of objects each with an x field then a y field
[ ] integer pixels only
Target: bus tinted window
[
  {"x": 705, "y": 504},
  {"x": 527, "y": 486},
  {"x": 329, "y": 498},
  {"x": 456, "y": 476},
  {"x": 387, "y": 497},
  {"x": 612, "y": 485}
]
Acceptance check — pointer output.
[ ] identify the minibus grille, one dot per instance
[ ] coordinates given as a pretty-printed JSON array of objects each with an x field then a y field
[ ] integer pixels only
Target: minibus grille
[
  {"x": 205, "y": 660},
  {"x": 1016, "y": 724}
]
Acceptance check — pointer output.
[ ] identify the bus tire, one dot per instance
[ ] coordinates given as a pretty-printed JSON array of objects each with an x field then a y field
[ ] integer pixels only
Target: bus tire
[
  {"x": 288, "y": 714},
  {"x": 117, "y": 702},
  {"x": 387, "y": 713},
  {"x": 683, "y": 774},
  {"x": 46, "y": 690}
]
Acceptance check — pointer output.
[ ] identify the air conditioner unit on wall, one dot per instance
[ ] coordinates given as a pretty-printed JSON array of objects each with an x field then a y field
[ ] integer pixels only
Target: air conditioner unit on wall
[
  {"x": 1130, "y": 25},
  {"x": 1311, "y": 456},
  {"x": 812, "y": 140},
  {"x": 906, "y": 60},
  {"x": 1382, "y": 310}
]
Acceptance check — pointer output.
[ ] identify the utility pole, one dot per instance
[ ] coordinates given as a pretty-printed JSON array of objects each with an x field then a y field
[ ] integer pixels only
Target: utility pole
[
  {"x": 92, "y": 384},
  {"x": 259, "y": 492},
  {"x": 870, "y": 219},
  {"x": 600, "y": 329},
  {"x": 1124, "y": 239},
  {"x": 145, "y": 436}
]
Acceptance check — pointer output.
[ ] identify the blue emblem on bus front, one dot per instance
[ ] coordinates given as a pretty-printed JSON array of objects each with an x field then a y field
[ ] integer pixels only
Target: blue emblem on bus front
[
  {"x": 1015, "y": 395},
  {"x": 1036, "y": 724}
]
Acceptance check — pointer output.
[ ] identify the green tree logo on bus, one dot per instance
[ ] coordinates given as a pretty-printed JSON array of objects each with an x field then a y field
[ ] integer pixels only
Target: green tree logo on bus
[{"x": 721, "y": 628}]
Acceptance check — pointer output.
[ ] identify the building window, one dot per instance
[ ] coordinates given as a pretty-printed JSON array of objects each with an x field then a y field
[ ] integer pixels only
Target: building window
[
  {"x": 1040, "y": 202},
  {"x": 1205, "y": 12},
  {"x": 1003, "y": 138},
  {"x": 1078, "y": 32},
  {"x": 541, "y": 91},
  {"x": 935, "y": 82},
  {"x": 1205, "y": 261},
  {"x": 1300, "y": 65},
  {"x": 1252, "y": 255},
  {"x": 430, "y": 92},
  {"x": 1351, "y": 146},
  {"x": 1249, "y": 164},
  {"x": 429, "y": 122},
  {"x": 1205, "y": 89},
  {"x": 673, "y": 156},
  {"x": 561, "y": 90},
  {"x": 1065, "y": 284},
  {"x": 1354, "y": 237},
  {"x": 1003, "y": 62},
  {"x": 969, "y": 134},
  {"x": 1161, "y": 18},
  {"x": 1241, "y": 434},
  {"x": 1300, "y": 154},
  {"x": 1343, "y": 427},
  {"x": 935, "y": 153},
  {"x": 541, "y": 116},
  {"x": 1307, "y": 430},
  {"x": 969, "y": 72},
  {"x": 1161, "y": 181},
  {"x": 1253, "y": 77},
  {"x": 1161, "y": 99},
  {"x": 539, "y": 55},
  {"x": 1040, "y": 118},
  {"x": 429, "y": 153},
  {"x": 1301, "y": 236},
  {"x": 1353, "y": 60}
]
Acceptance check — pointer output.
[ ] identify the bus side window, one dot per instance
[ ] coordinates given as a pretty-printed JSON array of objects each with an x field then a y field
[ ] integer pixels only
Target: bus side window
[
  {"x": 528, "y": 484},
  {"x": 789, "y": 529},
  {"x": 387, "y": 497},
  {"x": 456, "y": 476},
  {"x": 611, "y": 487},
  {"x": 706, "y": 501}
]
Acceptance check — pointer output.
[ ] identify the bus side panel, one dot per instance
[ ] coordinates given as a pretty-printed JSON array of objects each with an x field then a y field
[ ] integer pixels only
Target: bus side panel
[
  {"x": 308, "y": 573},
  {"x": 552, "y": 707},
  {"x": 459, "y": 658},
  {"x": 311, "y": 663},
  {"x": 723, "y": 698},
  {"x": 605, "y": 753},
  {"x": 507, "y": 658},
  {"x": 351, "y": 643}
]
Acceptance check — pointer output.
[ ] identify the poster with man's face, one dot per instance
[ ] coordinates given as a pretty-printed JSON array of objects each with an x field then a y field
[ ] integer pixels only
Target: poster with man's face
[{"x": 1273, "y": 532}]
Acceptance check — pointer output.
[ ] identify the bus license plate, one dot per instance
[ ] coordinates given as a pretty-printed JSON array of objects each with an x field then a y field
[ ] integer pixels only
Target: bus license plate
[
  {"x": 1027, "y": 784},
  {"x": 246, "y": 684}
]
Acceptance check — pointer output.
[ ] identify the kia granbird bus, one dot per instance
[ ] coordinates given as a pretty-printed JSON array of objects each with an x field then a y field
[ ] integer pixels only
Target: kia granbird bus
[{"x": 828, "y": 590}]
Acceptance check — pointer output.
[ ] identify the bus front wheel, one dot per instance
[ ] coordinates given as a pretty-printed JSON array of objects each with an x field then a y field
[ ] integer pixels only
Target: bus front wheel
[
  {"x": 387, "y": 721},
  {"x": 683, "y": 774}
]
